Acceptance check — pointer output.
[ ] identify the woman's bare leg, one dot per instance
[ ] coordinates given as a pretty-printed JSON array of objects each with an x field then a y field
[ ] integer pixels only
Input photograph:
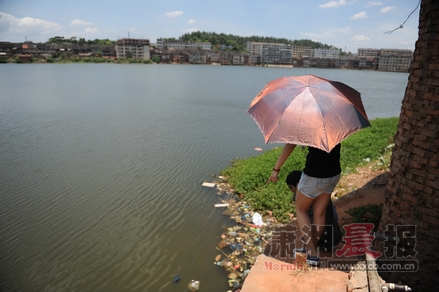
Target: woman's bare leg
[
  {"x": 304, "y": 222},
  {"x": 319, "y": 213}
]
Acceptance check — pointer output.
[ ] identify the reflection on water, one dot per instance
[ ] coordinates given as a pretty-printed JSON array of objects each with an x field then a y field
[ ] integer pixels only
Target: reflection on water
[{"x": 101, "y": 168}]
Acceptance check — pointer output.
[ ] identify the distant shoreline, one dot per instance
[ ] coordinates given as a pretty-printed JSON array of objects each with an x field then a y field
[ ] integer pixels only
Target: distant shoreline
[{"x": 98, "y": 60}]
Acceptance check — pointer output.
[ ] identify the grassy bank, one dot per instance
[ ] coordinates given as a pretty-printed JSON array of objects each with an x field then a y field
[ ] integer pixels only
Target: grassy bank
[{"x": 248, "y": 176}]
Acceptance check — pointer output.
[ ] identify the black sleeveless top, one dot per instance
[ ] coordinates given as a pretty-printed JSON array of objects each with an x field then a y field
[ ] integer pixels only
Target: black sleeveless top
[{"x": 321, "y": 164}]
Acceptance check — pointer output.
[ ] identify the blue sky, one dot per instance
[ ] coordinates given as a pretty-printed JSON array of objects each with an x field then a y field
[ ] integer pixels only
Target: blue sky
[{"x": 346, "y": 24}]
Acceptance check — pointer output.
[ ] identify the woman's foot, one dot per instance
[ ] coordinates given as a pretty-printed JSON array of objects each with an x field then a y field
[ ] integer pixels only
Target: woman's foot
[
  {"x": 313, "y": 261},
  {"x": 296, "y": 250}
]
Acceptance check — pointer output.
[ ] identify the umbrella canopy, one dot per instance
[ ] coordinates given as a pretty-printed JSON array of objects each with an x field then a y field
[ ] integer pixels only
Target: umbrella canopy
[{"x": 308, "y": 110}]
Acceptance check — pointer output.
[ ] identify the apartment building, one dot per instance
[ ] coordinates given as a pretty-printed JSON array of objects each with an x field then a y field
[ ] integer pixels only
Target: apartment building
[
  {"x": 367, "y": 62},
  {"x": 363, "y": 52},
  {"x": 161, "y": 43},
  {"x": 395, "y": 52},
  {"x": 239, "y": 59},
  {"x": 137, "y": 48},
  {"x": 270, "y": 53},
  {"x": 301, "y": 52},
  {"x": 395, "y": 60},
  {"x": 325, "y": 53}
]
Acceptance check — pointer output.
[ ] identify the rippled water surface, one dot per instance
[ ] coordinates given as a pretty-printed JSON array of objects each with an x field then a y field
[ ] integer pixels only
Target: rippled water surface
[{"x": 101, "y": 167}]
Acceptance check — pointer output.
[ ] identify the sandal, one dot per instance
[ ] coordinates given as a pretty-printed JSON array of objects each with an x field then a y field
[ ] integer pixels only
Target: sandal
[
  {"x": 313, "y": 261},
  {"x": 296, "y": 250}
]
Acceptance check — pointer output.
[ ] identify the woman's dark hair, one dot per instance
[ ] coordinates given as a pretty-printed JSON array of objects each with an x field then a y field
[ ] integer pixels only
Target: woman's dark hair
[{"x": 293, "y": 178}]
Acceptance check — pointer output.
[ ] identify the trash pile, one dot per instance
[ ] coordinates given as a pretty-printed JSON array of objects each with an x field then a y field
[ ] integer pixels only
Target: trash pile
[{"x": 241, "y": 244}]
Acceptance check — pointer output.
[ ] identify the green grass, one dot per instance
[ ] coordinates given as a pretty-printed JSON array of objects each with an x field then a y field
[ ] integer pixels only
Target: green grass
[
  {"x": 369, "y": 213},
  {"x": 249, "y": 176}
]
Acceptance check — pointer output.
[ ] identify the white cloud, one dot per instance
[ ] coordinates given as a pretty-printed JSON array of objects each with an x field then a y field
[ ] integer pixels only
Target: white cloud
[
  {"x": 333, "y": 4},
  {"x": 345, "y": 30},
  {"x": 360, "y": 38},
  {"x": 376, "y": 3},
  {"x": 328, "y": 35},
  {"x": 191, "y": 21},
  {"x": 26, "y": 24},
  {"x": 407, "y": 42},
  {"x": 173, "y": 14},
  {"x": 38, "y": 23},
  {"x": 78, "y": 22},
  {"x": 189, "y": 30},
  {"x": 360, "y": 15},
  {"x": 312, "y": 35},
  {"x": 387, "y": 9},
  {"x": 91, "y": 30},
  {"x": 6, "y": 21}
]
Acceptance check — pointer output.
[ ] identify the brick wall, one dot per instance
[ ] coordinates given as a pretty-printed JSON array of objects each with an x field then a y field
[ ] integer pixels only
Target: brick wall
[{"x": 412, "y": 195}]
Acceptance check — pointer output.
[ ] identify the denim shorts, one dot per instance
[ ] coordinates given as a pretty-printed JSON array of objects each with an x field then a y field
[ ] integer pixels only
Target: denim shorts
[{"x": 313, "y": 187}]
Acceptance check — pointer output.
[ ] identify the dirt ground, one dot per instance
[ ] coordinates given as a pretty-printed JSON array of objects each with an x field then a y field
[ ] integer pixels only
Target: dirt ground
[{"x": 367, "y": 186}]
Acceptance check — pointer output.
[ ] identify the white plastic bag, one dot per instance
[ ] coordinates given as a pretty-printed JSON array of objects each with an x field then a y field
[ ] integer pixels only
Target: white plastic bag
[
  {"x": 257, "y": 219},
  {"x": 194, "y": 285}
]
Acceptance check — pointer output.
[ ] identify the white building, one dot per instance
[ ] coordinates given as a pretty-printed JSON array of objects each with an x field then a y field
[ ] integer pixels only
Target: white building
[
  {"x": 270, "y": 53},
  {"x": 183, "y": 45},
  {"x": 325, "y": 53},
  {"x": 395, "y": 52},
  {"x": 238, "y": 59},
  {"x": 137, "y": 48},
  {"x": 395, "y": 60},
  {"x": 301, "y": 52},
  {"x": 366, "y": 52}
]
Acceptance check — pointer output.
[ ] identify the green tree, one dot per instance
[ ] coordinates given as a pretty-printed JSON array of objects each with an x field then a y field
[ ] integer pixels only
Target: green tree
[
  {"x": 56, "y": 39},
  {"x": 156, "y": 59},
  {"x": 240, "y": 43},
  {"x": 128, "y": 55}
]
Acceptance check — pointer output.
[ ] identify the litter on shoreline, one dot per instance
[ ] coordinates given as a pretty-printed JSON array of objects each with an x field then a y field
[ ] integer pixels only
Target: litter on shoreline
[{"x": 241, "y": 244}]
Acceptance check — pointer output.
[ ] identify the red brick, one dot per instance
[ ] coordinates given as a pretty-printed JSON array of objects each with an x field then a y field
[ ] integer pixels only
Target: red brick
[
  {"x": 428, "y": 211},
  {"x": 423, "y": 225},
  {"x": 432, "y": 133},
  {"x": 434, "y": 164},
  {"x": 419, "y": 152},
  {"x": 415, "y": 164},
  {"x": 391, "y": 189},
  {"x": 408, "y": 191},
  {"x": 432, "y": 220},
  {"x": 394, "y": 213},
  {"x": 433, "y": 184}
]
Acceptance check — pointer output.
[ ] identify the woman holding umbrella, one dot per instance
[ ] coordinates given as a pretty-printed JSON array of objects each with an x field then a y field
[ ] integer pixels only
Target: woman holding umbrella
[
  {"x": 319, "y": 178},
  {"x": 315, "y": 112}
]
